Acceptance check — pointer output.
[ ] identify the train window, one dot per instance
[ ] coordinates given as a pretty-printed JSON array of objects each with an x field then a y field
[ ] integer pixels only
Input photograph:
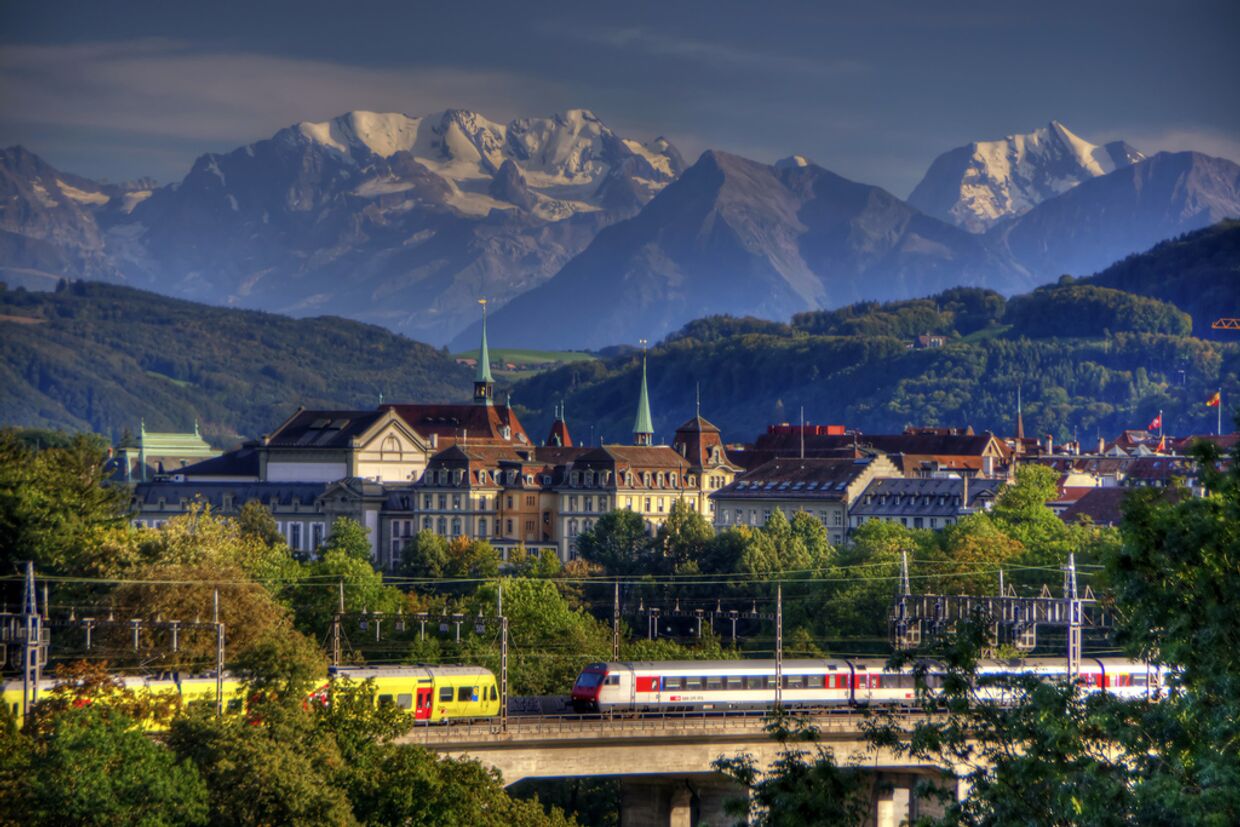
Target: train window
[
  {"x": 613, "y": 680},
  {"x": 445, "y": 693},
  {"x": 714, "y": 683},
  {"x": 463, "y": 693},
  {"x": 494, "y": 694},
  {"x": 1139, "y": 678},
  {"x": 755, "y": 682},
  {"x": 385, "y": 700},
  {"x": 693, "y": 683},
  {"x": 863, "y": 681},
  {"x": 734, "y": 683},
  {"x": 794, "y": 681},
  {"x": 234, "y": 705},
  {"x": 404, "y": 700},
  {"x": 672, "y": 683},
  {"x": 770, "y": 681},
  {"x": 814, "y": 682}
]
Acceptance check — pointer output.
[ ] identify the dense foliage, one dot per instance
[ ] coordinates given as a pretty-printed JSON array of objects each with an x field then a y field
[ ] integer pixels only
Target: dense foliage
[
  {"x": 102, "y": 357},
  {"x": 1198, "y": 272},
  {"x": 1072, "y": 310}
]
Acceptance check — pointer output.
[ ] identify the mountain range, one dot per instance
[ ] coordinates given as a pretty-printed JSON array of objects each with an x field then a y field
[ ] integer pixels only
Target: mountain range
[{"x": 582, "y": 238}]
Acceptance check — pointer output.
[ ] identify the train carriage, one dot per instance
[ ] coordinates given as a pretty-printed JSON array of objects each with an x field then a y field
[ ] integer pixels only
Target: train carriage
[{"x": 430, "y": 693}]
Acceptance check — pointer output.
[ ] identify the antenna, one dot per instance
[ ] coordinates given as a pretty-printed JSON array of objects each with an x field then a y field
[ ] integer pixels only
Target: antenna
[{"x": 697, "y": 406}]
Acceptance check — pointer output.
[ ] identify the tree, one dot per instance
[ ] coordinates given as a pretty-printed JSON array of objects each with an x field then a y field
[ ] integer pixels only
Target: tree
[
  {"x": 83, "y": 758},
  {"x": 619, "y": 543},
  {"x": 255, "y": 521},
  {"x": 54, "y": 508},
  {"x": 800, "y": 788},
  {"x": 683, "y": 537},
  {"x": 1055, "y": 755}
]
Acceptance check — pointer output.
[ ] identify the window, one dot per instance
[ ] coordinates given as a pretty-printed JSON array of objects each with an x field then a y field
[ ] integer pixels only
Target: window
[
  {"x": 294, "y": 536},
  {"x": 647, "y": 505},
  {"x": 482, "y": 527},
  {"x": 734, "y": 683},
  {"x": 426, "y": 501},
  {"x": 404, "y": 700},
  {"x": 445, "y": 694},
  {"x": 508, "y": 527},
  {"x": 456, "y": 502},
  {"x": 426, "y": 523},
  {"x": 508, "y": 501},
  {"x": 465, "y": 693},
  {"x": 837, "y": 519},
  {"x": 572, "y": 503},
  {"x": 813, "y": 681},
  {"x": 672, "y": 683},
  {"x": 602, "y": 503},
  {"x": 917, "y": 522},
  {"x": 443, "y": 502},
  {"x": 443, "y": 525},
  {"x": 572, "y": 528},
  {"x": 234, "y": 705},
  {"x": 755, "y": 682},
  {"x": 456, "y": 526},
  {"x": 385, "y": 700},
  {"x": 660, "y": 505},
  {"x": 316, "y": 535},
  {"x": 715, "y": 682},
  {"x": 628, "y": 503},
  {"x": 529, "y": 499},
  {"x": 589, "y": 504},
  {"x": 693, "y": 683},
  {"x": 794, "y": 681}
]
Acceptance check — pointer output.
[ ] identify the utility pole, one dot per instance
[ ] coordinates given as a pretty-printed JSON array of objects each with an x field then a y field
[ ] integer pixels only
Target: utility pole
[
  {"x": 336, "y": 627},
  {"x": 503, "y": 662},
  {"x": 1074, "y": 618},
  {"x": 32, "y": 660},
  {"x": 615, "y": 624},
  {"x": 219, "y": 655},
  {"x": 779, "y": 646}
]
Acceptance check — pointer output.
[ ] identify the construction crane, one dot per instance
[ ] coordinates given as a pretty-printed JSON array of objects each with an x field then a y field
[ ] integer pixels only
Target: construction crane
[{"x": 1226, "y": 324}]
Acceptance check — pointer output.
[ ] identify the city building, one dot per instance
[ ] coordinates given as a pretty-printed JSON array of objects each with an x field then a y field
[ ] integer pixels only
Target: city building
[
  {"x": 823, "y": 488},
  {"x": 922, "y": 502}
]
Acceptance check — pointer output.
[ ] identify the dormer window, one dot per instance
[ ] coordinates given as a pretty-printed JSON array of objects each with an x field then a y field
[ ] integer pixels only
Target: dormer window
[
  {"x": 443, "y": 476},
  {"x": 505, "y": 432},
  {"x": 589, "y": 479}
]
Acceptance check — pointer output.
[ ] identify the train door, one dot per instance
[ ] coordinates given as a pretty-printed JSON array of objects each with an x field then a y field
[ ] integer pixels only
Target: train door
[{"x": 422, "y": 709}]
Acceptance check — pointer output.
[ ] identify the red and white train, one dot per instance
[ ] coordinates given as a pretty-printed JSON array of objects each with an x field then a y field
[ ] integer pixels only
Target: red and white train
[{"x": 717, "y": 686}]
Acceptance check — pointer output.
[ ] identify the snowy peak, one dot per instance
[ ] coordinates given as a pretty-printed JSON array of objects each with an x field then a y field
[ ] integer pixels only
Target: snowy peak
[
  {"x": 567, "y": 161},
  {"x": 978, "y": 185}
]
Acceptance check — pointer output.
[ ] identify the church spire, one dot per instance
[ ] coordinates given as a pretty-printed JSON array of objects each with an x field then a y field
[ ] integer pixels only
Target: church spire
[
  {"x": 484, "y": 385},
  {"x": 643, "y": 430}
]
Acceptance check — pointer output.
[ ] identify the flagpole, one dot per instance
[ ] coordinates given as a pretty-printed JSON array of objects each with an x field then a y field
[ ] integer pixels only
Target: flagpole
[{"x": 1220, "y": 411}]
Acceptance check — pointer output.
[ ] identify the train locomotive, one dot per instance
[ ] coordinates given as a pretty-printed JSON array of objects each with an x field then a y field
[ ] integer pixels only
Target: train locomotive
[{"x": 749, "y": 685}]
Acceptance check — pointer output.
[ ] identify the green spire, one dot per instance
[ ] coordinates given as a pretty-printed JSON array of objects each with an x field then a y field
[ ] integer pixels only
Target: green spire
[
  {"x": 643, "y": 430},
  {"x": 484, "y": 384},
  {"x": 484, "y": 355}
]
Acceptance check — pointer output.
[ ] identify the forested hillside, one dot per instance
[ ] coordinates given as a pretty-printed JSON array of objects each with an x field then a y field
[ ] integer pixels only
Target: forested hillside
[
  {"x": 1198, "y": 272},
  {"x": 1129, "y": 358},
  {"x": 101, "y": 357}
]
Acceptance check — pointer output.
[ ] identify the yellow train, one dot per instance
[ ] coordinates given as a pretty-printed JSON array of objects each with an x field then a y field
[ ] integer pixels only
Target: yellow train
[{"x": 430, "y": 693}]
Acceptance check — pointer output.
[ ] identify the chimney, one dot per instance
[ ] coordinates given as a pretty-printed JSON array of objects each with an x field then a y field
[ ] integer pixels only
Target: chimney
[
  {"x": 1050, "y": 444},
  {"x": 434, "y": 440},
  {"x": 1102, "y": 445},
  {"x": 964, "y": 488}
]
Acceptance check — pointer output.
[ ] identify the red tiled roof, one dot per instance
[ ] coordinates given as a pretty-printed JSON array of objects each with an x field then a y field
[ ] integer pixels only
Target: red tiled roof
[{"x": 452, "y": 422}]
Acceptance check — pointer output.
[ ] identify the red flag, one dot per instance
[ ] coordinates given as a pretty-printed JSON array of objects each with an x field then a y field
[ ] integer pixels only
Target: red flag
[
  {"x": 1156, "y": 424},
  {"x": 1215, "y": 400}
]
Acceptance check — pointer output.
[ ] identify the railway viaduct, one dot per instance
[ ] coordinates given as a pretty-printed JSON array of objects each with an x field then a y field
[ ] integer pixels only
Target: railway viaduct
[{"x": 664, "y": 763}]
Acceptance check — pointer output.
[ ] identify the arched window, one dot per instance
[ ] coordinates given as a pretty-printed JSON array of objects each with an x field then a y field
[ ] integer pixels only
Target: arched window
[
  {"x": 389, "y": 449},
  {"x": 456, "y": 526},
  {"x": 443, "y": 525}
]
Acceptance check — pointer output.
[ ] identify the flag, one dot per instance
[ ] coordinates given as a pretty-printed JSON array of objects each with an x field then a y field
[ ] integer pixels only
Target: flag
[
  {"x": 1215, "y": 399},
  {"x": 1162, "y": 445},
  {"x": 1156, "y": 424}
]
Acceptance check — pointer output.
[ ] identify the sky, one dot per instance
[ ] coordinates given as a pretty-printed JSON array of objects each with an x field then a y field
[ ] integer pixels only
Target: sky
[{"x": 871, "y": 90}]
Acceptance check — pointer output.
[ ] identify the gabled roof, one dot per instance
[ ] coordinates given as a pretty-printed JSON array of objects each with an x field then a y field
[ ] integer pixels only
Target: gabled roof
[
  {"x": 322, "y": 429},
  {"x": 470, "y": 422},
  {"x": 816, "y": 479}
]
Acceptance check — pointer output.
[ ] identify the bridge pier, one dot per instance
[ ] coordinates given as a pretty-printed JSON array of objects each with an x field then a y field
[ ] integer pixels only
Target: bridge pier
[{"x": 697, "y": 801}]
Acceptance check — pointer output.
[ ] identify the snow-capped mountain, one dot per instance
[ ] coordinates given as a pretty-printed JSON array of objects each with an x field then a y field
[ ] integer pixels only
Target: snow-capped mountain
[
  {"x": 564, "y": 161},
  {"x": 979, "y": 185},
  {"x": 398, "y": 220}
]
